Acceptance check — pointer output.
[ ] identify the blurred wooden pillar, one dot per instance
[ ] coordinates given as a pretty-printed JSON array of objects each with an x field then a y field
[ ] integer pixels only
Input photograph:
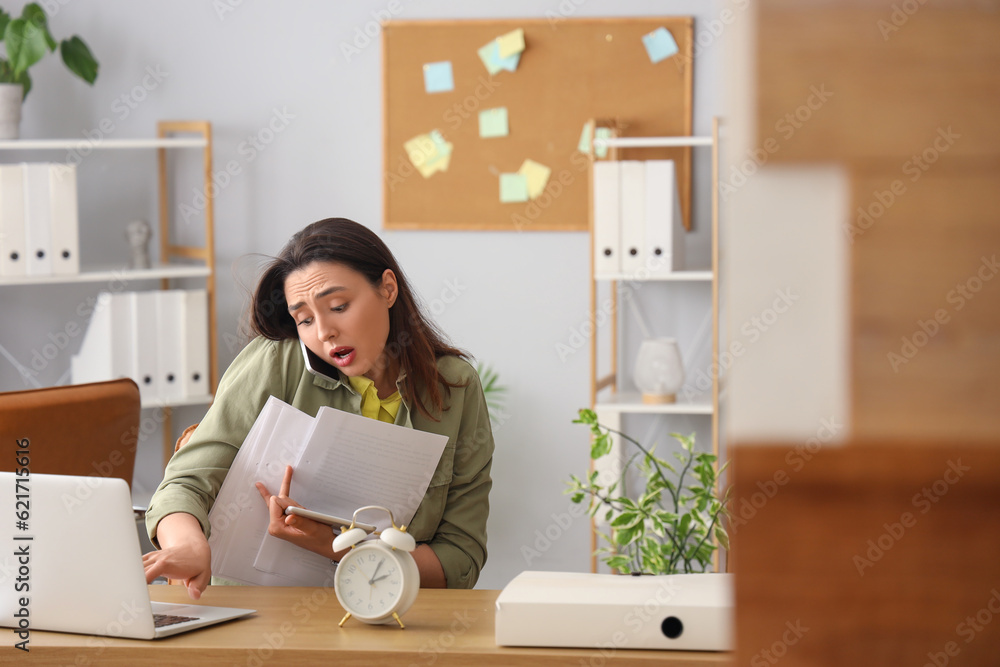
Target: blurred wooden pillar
[{"x": 906, "y": 96}]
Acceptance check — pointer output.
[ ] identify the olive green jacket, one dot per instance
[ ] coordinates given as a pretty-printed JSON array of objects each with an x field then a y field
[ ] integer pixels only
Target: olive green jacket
[{"x": 451, "y": 517}]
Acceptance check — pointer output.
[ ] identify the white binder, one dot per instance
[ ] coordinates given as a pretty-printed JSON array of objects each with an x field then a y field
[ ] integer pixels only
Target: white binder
[
  {"x": 12, "y": 255},
  {"x": 633, "y": 216},
  {"x": 607, "y": 223},
  {"x": 195, "y": 360},
  {"x": 65, "y": 228},
  {"x": 145, "y": 345},
  {"x": 106, "y": 351},
  {"x": 37, "y": 219},
  {"x": 664, "y": 225},
  {"x": 170, "y": 325}
]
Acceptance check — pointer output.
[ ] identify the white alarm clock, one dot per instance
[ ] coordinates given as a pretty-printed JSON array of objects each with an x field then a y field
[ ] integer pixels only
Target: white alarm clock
[{"x": 377, "y": 580}]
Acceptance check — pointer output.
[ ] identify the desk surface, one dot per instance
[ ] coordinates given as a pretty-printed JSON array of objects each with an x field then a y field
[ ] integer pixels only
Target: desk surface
[{"x": 299, "y": 626}]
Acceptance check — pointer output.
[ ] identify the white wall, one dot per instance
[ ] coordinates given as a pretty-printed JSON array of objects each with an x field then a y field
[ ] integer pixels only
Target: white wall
[{"x": 520, "y": 293}]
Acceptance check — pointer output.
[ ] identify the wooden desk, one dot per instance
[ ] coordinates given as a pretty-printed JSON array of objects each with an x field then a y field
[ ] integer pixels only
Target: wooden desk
[{"x": 298, "y": 626}]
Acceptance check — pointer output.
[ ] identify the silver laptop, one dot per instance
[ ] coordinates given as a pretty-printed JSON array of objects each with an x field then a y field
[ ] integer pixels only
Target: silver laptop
[{"x": 72, "y": 563}]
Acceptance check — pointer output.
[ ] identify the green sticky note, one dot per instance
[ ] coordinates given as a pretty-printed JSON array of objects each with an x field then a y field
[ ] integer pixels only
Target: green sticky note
[
  {"x": 493, "y": 123},
  {"x": 584, "y": 145},
  {"x": 513, "y": 188},
  {"x": 601, "y": 133}
]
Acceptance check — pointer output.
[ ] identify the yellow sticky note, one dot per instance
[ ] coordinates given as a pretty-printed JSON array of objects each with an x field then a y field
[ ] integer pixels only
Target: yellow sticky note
[
  {"x": 429, "y": 153},
  {"x": 511, "y": 43},
  {"x": 536, "y": 175}
]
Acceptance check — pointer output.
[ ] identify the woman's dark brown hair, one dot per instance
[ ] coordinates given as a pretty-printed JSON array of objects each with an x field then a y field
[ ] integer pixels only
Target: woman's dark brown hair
[{"x": 413, "y": 339}]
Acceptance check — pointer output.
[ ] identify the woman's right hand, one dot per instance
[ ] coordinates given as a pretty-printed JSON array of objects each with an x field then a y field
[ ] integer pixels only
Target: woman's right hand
[{"x": 184, "y": 554}]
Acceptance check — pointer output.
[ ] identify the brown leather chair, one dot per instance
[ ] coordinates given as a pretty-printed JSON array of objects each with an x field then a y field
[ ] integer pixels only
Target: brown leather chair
[{"x": 83, "y": 429}]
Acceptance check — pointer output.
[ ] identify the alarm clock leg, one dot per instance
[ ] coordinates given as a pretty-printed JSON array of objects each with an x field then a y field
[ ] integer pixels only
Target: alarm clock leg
[
  {"x": 344, "y": 620},
  {"x": 403, "y": 627}
]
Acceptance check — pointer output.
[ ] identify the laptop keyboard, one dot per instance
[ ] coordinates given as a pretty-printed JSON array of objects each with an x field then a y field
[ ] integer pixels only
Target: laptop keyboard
[{"x": 163, "y": 620}]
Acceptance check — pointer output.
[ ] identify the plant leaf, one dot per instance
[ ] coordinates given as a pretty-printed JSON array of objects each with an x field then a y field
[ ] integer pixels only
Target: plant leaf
[
  {"x": 25, "y": 45},
  {"x": 36, "y": 16},
  {"x": 4, "y": 20},
  {"x": 722, "y": 536},
  {"x": 601, "y": 446},
  {"x": 78, "y": 59}
]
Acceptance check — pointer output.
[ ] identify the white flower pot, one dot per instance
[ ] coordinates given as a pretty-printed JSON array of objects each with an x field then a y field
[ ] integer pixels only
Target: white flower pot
[
  {"x": 10, "y": 110},
  {"x": 659, "y": 372}
]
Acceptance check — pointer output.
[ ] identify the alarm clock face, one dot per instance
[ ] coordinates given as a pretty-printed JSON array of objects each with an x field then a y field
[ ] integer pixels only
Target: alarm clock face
[{"x": 373, "y": 581}]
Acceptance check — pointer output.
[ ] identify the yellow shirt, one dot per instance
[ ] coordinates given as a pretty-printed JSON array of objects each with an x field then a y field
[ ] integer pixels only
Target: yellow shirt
[{"x": 383, "y": 409}]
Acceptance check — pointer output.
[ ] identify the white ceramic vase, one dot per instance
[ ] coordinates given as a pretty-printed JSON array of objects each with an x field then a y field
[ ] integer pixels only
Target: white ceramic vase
[
  {"x": 10, "y": 110},
  {"x": 659, "y": 372}
]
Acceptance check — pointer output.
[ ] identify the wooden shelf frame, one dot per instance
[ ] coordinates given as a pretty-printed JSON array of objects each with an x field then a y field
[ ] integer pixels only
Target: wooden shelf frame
[
  {"x": 619, "y": 405},
  {"x": 165, "y": 132}
]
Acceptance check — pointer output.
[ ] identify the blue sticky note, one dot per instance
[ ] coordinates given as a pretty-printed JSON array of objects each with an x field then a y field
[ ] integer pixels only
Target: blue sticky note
[
  {"x": 493, "y": 123},
  {"x": 513, "y": 188},
  {"x": 490, "y": 55},
  {"x": 438, "y": 77},
  {"x": 659, "y": 44}
]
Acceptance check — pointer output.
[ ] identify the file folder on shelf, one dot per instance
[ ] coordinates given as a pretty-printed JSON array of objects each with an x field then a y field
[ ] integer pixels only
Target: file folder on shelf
[
  {"x": 12, "y": 254},
  {"x": 65, "y": 226},
  {"x": 37, "y": 219},
  {"x": 195, "y": 334},
  {"x": 145, "y": 345},
  {"x": 607, "y": 223},
  {"x": 170, "y": 306},
  {"x": 664, "y": 227},
  {"x": 633, "y": 215},
  {"x": 106, "y": 352}
]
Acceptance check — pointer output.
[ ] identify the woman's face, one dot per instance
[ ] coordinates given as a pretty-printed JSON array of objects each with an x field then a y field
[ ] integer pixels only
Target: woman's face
[{"x": 341, "y": 317}]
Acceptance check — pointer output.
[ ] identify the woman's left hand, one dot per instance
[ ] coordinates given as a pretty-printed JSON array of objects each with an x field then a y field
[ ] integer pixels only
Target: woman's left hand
[{"x": 298, "y": 530}]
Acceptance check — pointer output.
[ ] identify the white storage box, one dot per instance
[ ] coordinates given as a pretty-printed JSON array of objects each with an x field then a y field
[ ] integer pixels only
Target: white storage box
[{"x": 691, "y": 612}]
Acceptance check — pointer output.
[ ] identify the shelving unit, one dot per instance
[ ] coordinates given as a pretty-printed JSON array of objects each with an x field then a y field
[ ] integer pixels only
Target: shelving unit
[
  {"x": 611, "y": 408},
  {"x": 173, "y": 259}
]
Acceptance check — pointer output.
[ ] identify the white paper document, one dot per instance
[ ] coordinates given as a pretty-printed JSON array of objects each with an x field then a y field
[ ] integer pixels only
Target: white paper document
[{"x": 341, "y": 462}]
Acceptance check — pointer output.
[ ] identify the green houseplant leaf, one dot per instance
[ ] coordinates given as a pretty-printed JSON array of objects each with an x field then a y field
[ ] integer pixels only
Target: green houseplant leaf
[
  {"x": 28, "y": 39},
  {"x": 672, "y": 524},
  {"x": 25, "y": 45},
  {"x": 78, "y": 59}
]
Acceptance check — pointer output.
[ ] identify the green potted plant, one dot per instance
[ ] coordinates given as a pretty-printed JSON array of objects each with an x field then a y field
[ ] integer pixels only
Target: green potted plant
[
  {"x": 668, "y": 526},
  {"x": 27, "y": 40}
]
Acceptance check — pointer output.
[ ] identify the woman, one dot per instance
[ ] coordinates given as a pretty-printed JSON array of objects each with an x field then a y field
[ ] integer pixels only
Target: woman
[{"x": 337, "y": 288}]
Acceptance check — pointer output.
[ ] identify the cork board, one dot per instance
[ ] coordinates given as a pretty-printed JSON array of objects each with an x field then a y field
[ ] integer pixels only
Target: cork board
[{"x": 570, "y": 71}]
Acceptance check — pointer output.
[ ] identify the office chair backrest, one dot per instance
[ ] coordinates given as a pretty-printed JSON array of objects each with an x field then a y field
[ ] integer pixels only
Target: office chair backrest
[{"x": 84, "y": 429}]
